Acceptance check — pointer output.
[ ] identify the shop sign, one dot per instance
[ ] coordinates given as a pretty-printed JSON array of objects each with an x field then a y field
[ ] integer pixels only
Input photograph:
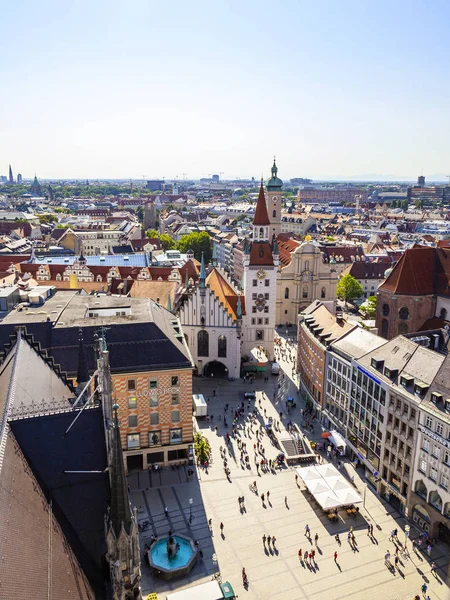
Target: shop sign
[{"x": 434, "y": 436}]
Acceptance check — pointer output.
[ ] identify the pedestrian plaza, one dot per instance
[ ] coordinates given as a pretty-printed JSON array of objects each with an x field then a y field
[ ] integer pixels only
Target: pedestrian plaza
[{"x": 275, "y": 571}]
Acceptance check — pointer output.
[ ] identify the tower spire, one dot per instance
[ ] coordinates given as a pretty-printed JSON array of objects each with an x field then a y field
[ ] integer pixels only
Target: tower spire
[
  {"x": 82, "y": 371},
  {"x": 120, "y": 513},
  {"x": 202, "y": 276},
  {"x": 261, "y": 215}
]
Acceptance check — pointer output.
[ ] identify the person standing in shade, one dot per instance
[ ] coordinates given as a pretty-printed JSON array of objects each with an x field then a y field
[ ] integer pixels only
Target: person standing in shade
[{"x": 166, "y": 512}]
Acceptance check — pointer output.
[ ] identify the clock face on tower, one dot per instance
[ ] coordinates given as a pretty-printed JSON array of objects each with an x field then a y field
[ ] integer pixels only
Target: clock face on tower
[
  {"x": 261, "y": 274},
  {"x": 275, "y": 199}
]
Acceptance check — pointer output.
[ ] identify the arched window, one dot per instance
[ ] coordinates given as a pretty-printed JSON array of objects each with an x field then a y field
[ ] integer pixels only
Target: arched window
[
  {"x": 222, "y": 347},
  {"x": 386, "y": 310},
  {"x": 305, "y": 291},
  {"x": 261, "y": 232},
  {"x": 403, "y": 313},
  {"x": 323, "y": 293},
  {"x": 306, "y": 264},
  {"x": 286, "y": 293},
  {"x": 384, "y": 328},
  {"x": 436, "y": 500},
  {"x": 274, "y": 214},
  {"x": 421, "y": 489},
  {"x": 203, "y": 343},
  {"x": 443, "y": 314},
  {"x": 402, "y": 328}
]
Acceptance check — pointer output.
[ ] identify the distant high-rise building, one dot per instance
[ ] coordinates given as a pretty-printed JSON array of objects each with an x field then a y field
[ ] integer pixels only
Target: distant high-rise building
[
  {"x": 421, "y": 181},
  {"x": 19, "y": 177},
  {"x": 156, "y": 185},
  {"x": 216, "y": 178},
  {"x": 150, "y": 215},
  {"x": 11, "y": 178}
]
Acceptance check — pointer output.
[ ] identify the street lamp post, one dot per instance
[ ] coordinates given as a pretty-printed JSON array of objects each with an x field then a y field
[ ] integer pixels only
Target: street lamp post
[
  {"x": 407, "y": 530},
  {"x": 191, "y": 502}
]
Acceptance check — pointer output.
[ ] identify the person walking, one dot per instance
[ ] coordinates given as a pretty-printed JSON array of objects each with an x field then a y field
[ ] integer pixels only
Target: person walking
[
  {"x": 316, "y": 538},
  {"x": 166, "y": 512},
  {"x": 274, "y": 539},
  {"x": 433, "y": 568},
  {"x": 268, "y": 494},
  {"x": 424, "y": 588},
  {"x": 264, "y": 539},
  {"x": 269, "y": 539},
  {"x": 307, "y": 531},
  {"x": 338, "y": 539},
  {"x": 335, "y": 556},
  {"x": 306, "y": 556},
  {"x": 368, "y": 530},
  {"x": 262, "y": 498},
  {"x": 300, "y": 554},
  {"x": 221, "y": 528},
  {"x": 387, "y": 557},
  {"x": 286, "y": 502}
]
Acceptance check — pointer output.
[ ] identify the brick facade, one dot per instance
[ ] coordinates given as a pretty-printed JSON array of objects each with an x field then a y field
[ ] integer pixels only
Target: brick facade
[
  {"x": 157, "y": 399},
  {"x": 391, "y": 320}
]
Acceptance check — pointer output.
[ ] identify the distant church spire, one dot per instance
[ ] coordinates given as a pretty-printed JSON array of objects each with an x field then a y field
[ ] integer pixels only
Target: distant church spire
[{"x": 10, "y": 177}]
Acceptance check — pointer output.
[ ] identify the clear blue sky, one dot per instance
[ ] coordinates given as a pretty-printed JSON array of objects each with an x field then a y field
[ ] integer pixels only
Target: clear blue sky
[{"x": 335, "y": 89}]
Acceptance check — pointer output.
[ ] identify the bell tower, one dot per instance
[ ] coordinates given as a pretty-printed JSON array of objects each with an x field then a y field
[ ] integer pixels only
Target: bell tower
[{"x": 274, "y": 185}]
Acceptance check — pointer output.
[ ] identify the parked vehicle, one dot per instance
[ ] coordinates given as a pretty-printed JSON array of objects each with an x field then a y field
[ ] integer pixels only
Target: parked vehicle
[
  {"x": 275, "y": 368},
  {"x": 199, "y": 405}
]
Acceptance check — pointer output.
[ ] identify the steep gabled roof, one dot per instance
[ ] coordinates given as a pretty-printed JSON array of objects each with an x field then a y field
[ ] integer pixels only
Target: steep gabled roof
[
  {"x": 224, "y": 292},
  {"x": 261, "y": 216},
  {"x": 421, "y": 271}
]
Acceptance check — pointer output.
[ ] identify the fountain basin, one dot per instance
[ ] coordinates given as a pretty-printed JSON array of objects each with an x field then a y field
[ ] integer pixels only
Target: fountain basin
[{"x": 175, "y": 566}]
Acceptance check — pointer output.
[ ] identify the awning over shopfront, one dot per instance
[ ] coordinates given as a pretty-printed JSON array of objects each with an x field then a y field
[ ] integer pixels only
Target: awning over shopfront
[
  {"x": 254, "y": 367},
  {"x": 329, "y": 488}
]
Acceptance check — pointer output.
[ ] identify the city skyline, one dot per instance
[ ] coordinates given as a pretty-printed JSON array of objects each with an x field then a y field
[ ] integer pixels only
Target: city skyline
[{"x": 146, "y": 91}]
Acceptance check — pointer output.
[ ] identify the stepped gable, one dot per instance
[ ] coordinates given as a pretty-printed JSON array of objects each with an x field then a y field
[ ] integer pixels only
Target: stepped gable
[{"x": 224, "y": 291}]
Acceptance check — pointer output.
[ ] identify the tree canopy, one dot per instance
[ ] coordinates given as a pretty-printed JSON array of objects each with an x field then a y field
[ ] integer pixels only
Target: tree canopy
[
  {"x": 151, "y": 233},
  {"x": 167, "y": 242},
  {"x": 348, "y": 288},
  {"x": 198, "y": 243}
]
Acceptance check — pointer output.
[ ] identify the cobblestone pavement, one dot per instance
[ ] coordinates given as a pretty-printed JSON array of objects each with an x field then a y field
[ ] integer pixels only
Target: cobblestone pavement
[{"x": 276, "y": 572}]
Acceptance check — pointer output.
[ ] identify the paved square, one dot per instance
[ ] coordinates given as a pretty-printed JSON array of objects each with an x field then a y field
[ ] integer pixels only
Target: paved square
[{"x": 276, "y": 572}]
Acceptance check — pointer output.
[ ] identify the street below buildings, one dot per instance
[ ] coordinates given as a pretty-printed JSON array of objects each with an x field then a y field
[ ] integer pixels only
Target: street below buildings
[{"x": 275, "y": 570}]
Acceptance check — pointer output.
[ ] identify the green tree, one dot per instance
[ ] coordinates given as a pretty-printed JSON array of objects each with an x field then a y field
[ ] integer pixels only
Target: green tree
[
  {"x": 394, "y": 204},
  {"x": 151, "y": 233},
  {"x": 202, "y": 448},
  {"x": 370, "y": 307},
  {"x": 48, "y": 218},
  {"x": 198, "y": 243},
  {"x": 167, "y": 242},
  {"x": 348, "y": 288}
]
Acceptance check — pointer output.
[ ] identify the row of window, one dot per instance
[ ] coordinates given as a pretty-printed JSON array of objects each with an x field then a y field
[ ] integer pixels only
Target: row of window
[
  {"x": 435, "y": 451},
  {"x": 203, "y": 344},
  {"x": 432, "y": 473},
  {"x": 255, "y": 282},
  {"x": 152, "y": 383},
  {"x": 437, "y": 427},
  {"x": 154, "y": 418},
  {"x": 154, "y": 438},
  {"x": 152, "y": 401},
  {"x": 402, "y": 407},
  {"x": 260, "y": 321}
]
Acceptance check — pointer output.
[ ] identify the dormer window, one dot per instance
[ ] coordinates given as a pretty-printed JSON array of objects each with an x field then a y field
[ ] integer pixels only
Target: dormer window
[
  {"x": 420, "y": 389},
  {"x": 406, "y": 380},
  {"x": 390, "y": 373},
  {"x": 436, "y": 397}
]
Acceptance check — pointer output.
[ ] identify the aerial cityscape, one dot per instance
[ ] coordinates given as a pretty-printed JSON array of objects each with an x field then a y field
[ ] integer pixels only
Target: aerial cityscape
[{"x": 225, "y": 302}]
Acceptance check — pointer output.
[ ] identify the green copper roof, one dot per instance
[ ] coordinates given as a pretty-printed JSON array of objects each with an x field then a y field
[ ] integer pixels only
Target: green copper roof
[{"x": 274, "y": 183}]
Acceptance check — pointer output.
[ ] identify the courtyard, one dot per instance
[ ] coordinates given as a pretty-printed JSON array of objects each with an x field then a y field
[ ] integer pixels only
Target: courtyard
[{"x": 275, "y": 571}]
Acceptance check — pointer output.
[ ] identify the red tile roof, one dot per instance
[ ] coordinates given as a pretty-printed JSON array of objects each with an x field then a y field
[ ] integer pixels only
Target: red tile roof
[
  {"x": 421, "y": 271},
  {"x": 261, "y": 216}
]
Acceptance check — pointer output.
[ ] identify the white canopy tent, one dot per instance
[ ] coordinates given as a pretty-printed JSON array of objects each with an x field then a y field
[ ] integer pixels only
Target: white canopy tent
[
  {"x": 337, "y": 440},
  {"x": 329, "y": 488}
]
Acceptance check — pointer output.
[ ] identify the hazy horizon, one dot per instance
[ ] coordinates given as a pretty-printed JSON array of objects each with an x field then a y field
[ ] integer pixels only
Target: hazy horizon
[{"x": 348, "y": 91}]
